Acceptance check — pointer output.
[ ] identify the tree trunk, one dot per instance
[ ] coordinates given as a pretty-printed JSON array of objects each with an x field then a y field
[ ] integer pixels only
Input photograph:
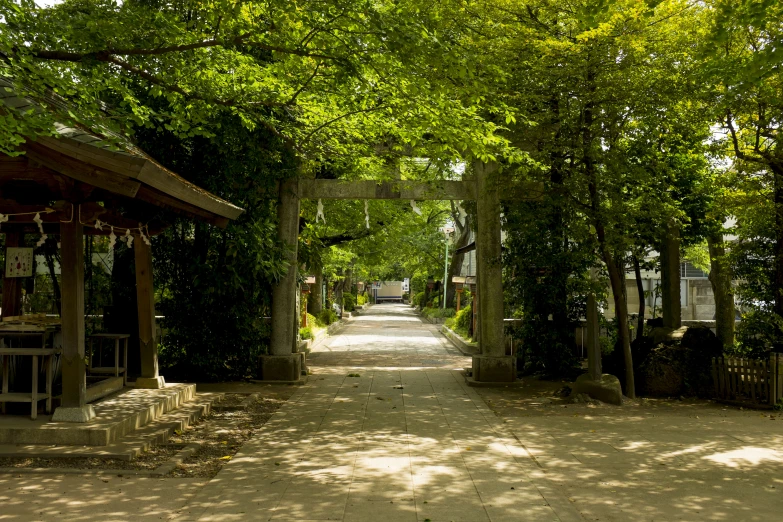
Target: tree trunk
[
  {"x": 639, "y": 288},
  {"x": 616, "y": 278},
  {"x": 337, "y": 290},
  {"x": 456, "y": 264},
  {"x": 777, "y": 172},
  {"x": 621, "y": 310},
  {"x": 720, "y": 278},
  {"x": 348, "y": 281},
  {"x": 315, "y": 298}
]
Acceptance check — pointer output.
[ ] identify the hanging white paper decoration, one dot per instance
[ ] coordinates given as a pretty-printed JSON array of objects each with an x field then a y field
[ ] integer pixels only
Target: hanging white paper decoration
[
  {"x": 41, "y": 241},
  {"x": 128, "y": 238},
  {"x": 38, "y": 220},
  {"x": 142, "y": 235},
  {"x": 3, "y": 218},
  {"x": 112, "y": 239},
  {"x": 320, "y": 212},
  {"x": 366, "y": 215},
  {"x": 415, "y": 207},
  {"x": 99, "y": 224}
]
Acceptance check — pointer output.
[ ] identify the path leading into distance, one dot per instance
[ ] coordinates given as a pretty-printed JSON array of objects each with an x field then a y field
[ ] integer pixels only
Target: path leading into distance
[{"x": 406, "y": 440}]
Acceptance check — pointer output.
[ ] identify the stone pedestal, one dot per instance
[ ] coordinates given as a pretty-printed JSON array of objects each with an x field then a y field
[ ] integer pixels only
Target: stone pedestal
[
  {"x": 280, "y": 368},
  {"x": 494, "y": 369},
  {"x": 150, "y": 383},
  {"x": 76, "y": 414}
]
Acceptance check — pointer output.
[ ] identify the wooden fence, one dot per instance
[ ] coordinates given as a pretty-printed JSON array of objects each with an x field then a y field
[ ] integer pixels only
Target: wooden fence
[{"x": 761, "y": 381}]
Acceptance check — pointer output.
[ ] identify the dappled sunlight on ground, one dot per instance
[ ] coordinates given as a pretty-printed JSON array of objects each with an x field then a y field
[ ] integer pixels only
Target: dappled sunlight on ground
[
  {"x": 387, "y": 430},
  {"x": 103, "y": 497}
]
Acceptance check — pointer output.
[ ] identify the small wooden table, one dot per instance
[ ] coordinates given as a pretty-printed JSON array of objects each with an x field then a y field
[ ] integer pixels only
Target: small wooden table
[
  {"x": 116, "y": 369},
  {"x": 33, "y": 397}
]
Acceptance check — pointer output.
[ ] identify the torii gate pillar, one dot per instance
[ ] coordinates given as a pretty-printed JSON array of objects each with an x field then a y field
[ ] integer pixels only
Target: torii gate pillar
[
  {"x": 493, "y": 365},
  {"x": 282, "y": 364}
]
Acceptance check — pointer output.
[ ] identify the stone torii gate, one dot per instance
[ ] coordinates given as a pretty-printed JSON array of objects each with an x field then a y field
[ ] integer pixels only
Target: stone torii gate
[{"x": 493, "y": 364}]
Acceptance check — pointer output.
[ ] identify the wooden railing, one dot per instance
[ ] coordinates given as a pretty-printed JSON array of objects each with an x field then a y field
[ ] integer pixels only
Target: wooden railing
[{"x": 761, "y": 381}]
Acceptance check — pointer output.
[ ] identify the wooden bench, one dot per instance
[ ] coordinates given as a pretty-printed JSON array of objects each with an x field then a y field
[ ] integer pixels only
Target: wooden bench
[{"x": 115, "y": 370}]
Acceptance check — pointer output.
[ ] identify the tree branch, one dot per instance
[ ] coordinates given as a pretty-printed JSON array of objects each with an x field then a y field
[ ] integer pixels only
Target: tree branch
[{"x": 68, "y": 56}]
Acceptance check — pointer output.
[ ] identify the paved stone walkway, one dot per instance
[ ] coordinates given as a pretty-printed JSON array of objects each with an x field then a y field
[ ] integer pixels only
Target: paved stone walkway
[{"x": 405, "y": 440}]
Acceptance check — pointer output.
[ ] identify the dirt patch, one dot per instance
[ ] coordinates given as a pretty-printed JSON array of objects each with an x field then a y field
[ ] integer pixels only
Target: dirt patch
[
  {"x": 148, "y": 461},
  {"x": 538, "y": 397},
  {"x": 219, "y": 435},
  {"x": 222, "y": 433}
]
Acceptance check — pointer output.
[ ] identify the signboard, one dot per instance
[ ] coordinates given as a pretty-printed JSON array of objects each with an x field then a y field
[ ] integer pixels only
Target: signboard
[
  {"x": 406, "y": 285},
  {"x": 18, "y": 262}
]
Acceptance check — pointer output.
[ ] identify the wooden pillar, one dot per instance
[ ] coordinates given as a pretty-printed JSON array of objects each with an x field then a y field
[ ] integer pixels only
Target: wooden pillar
[
  {"x": 12, "y": 286},
  {"x": 283, "y": 364},
  {"x": 493, "y": 365},
  {"x": 74, "y": 407},
  {"x": 145, "y": 302}
]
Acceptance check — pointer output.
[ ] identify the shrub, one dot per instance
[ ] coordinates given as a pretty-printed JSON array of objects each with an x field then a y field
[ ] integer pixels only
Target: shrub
[
  {"x": 463, "y": 318},
  {"x": 312, "y": 321},
  {"x": 438, "y": 312},
  {"x": 361, "y": 299},
  {"x": 326, "y": 317},
  {"x": 349, "y": 302},
  {"x": 418, "y": 300},
  {"x": 305, "y": 333}
]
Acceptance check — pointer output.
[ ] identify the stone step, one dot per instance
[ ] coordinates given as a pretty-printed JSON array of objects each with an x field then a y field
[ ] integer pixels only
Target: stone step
[
  {"x": 116, "y": 416},
  {"x": 128, "y": 447}
]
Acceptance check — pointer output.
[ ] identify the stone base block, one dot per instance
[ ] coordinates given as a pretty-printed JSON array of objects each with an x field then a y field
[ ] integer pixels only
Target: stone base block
[
  {"x": 285, "y": 368},
  {"x": 84, "y": 414},
  {"x": 150, "y": 383},
  {"x": 606, "y": 390},
  {"x": 502, "y": 369}
]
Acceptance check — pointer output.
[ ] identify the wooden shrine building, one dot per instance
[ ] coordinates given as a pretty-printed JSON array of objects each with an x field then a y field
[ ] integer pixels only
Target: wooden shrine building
[{"x": 84, "y": 182}]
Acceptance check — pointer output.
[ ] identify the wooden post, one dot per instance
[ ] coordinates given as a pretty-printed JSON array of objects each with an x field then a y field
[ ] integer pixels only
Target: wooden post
[
  {"x": 12, "y": 286},
  {"x": 145, "y": 302},
  {"x": 74, "y": 407}
]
